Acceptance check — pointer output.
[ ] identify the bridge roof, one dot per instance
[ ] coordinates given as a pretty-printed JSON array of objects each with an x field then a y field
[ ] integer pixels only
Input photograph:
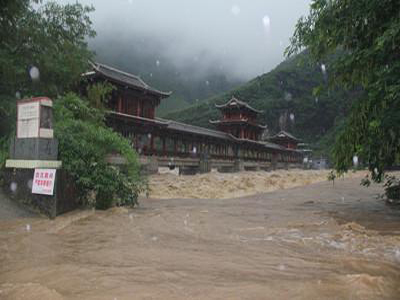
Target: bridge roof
[
  {"x": 174, "y": 126},
  {"x": 123, "y": 78},
  {"x": 181, "y": 127},
  {"x": 191, "y": 129},
  {"x": 242, "y": 121}
]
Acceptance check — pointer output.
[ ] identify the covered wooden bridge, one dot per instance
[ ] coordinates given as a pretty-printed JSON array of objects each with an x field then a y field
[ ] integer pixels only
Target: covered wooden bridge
[{"x": 236, "y": 145}]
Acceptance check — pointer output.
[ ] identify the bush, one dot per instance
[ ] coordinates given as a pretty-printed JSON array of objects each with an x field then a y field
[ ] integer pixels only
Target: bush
[
  {"x": 392, "y": 189},
  {"x": 84, "y": 143},
  {"x": 3, "y": 156}
]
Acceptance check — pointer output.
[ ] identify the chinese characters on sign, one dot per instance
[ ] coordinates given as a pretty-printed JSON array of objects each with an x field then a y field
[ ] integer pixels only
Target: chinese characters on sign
[
  {"x": 43, "y": 181},
  {"x": 28, "y": 120}
]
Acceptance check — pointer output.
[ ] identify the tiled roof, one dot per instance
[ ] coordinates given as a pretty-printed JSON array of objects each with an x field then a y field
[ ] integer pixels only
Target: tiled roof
[
  {"x": 283, "y": 133},
  {"x": 237, "y": 122},
  {"x": 236, "y": 102},
  {"x": 177, "y": 126},
  {"x": 196, "y": 130},
  {"x": 123, "y": 78}
]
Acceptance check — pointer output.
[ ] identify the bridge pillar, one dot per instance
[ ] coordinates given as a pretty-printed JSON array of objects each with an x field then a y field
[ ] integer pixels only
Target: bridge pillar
[
  {"x": 151, "y": 165},
  {"x": 164, "y": 146},
  {"x": 188, "y": 170},
  {"x": 238, "y": 166},
  {"x": 274, "y": 161},
  {"x": 204, "y": 164}
]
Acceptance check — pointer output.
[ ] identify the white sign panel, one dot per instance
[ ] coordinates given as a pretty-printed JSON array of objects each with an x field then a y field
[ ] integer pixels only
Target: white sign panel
[
  {"x": 28, "y": 119},
  {"x": 43, "y": 181}
]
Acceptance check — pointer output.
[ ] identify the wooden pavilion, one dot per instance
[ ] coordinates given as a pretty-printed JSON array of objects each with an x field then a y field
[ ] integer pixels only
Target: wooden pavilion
[
  {"x": 132, "y": 113},
  {"x": 285, "y": 139},
  {"x": 240, "y": 120}
]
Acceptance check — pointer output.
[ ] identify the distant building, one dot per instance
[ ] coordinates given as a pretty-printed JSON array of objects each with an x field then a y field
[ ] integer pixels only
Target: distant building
[
  {"x": 131, "y": 112},
  {"x": 320, "y": 164},
  {"x": 240, "y": 120},
  {"x": 285, "y": 139},
  {"x": 132, "y": 97}
]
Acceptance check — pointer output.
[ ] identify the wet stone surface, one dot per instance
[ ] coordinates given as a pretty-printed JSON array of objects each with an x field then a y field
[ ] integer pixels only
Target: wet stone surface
[{"x": 10, "y": 210}]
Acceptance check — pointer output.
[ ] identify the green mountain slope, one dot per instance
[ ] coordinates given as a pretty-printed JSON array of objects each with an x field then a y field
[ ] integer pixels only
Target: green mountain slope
[{"x": 286, "y": 95}]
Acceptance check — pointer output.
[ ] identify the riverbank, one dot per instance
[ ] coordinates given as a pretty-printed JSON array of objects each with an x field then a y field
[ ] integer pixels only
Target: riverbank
[{"x": 214, "y": 185}]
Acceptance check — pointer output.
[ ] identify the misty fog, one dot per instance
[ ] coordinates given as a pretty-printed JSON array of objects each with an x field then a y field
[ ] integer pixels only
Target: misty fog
[
  {"x": 244, "y": 38},
  {"x": 196, "y": 49}
]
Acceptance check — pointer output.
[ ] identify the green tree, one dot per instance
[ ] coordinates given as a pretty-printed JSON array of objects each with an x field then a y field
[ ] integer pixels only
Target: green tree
[
  {"x": 368, "y": 34},
  {"x": 47, "y": 41},
  {"x": 84, "y": 143},
  {"x": 98, "y": 94},
  {"x": 43, "y": 52}
]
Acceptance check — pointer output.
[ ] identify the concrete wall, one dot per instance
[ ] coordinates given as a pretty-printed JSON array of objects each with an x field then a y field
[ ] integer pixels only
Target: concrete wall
[{"x": 18, "y": 186}]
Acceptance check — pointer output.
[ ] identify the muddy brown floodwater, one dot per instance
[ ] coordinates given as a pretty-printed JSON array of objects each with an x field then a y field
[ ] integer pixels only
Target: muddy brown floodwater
[{"x": 314, "y": 242}]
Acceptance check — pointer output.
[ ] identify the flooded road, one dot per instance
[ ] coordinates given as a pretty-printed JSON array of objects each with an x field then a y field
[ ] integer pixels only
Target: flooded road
[{"x": 313, "y": 242}]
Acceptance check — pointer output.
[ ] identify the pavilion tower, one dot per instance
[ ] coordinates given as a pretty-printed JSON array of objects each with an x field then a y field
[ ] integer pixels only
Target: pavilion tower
[
  {"x": 285, "y": 139},
  {"x": 240, "y": 120}
]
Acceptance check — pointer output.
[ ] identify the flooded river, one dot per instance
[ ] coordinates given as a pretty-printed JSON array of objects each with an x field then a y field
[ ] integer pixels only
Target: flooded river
[{"x": 314, "y": 242}]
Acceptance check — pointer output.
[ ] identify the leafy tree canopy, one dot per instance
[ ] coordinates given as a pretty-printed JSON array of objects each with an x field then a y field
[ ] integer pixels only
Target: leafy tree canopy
[
  {"x": 368, "y": 33},
  {"x": 43, "y": 50},
  {"x": 84, "y": 143}
]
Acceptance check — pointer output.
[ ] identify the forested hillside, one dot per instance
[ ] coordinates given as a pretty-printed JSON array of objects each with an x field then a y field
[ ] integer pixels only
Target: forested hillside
[{"x": 294, "y": 97}]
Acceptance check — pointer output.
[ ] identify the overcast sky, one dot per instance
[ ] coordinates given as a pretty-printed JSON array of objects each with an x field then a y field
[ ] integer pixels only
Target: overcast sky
[{"x": 248, "y": 36}]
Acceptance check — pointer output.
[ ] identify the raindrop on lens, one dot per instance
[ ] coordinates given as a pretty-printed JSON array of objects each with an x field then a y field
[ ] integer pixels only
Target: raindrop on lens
[
  {"x": 291, "y": 116},
  {"x": 13, "y": 187},
  {"x": 288, "y": 96},
  {"x": 34, "y": 73},
  {"x": 28, "y": 227},
  {"x": 157, "y": 63},
  {"x": 323, "y": 69},
  {"x": 397, "y": 254},
  {"x": 281, "y": 267},
  {"x": 266, "y": 23},
  {"x": 207, "y": 83},
  {"x": 18, "y": 95},
  {"x": 316, "y": 99},
  {"x": 235, "y": 10},
  {"x": 355, "y": 160}
]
